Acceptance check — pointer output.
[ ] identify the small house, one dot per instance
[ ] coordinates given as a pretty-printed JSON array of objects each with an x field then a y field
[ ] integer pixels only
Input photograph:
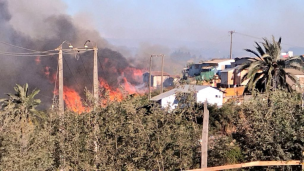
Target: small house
[
  {"x": 201, "y": 94},
  {"x": 156, "y": 78}
]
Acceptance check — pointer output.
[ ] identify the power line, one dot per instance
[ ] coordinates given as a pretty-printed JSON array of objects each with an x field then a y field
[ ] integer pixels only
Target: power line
[
  {"x": 255, "y": 37},
  {"x": 85, "y": 69},
  {"x": 25, "y": 55},
  {"x": 72, "y": 74},
  {"x": 18, "y": 46}
]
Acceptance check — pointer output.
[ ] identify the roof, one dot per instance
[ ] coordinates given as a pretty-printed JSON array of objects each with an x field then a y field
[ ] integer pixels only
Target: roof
[
  {"x": 207, "y": 67},
  {"x": 215, "y": 61},
  {"x": 183, "y": 88},
  {"x": 158, "y": 73},
  {"x": 228, "y": 69},
  {"x": 294, "y": 71}
]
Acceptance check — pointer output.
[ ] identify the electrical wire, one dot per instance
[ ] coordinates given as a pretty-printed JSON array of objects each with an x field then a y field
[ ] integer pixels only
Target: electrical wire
[
  {"x": 25, "y": 55},
  {"x": 78, "y": 85},
  {"x": 18, "y": 46},
  {"x": 89, "y": 78},
  {"x": 255, "y": 37}
]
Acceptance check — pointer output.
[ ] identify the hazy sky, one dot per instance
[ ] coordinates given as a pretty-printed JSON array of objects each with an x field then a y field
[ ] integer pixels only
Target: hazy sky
[{"x": 194, "y": 24}]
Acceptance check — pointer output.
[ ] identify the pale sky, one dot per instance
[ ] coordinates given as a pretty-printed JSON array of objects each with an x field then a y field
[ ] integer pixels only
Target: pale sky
[{"x": 194, "y": 24}]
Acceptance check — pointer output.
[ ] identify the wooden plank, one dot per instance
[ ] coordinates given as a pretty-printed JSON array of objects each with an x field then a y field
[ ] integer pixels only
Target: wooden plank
[
  {"x": 204, "y": 142},
  {"x": 251, "y": 164}
]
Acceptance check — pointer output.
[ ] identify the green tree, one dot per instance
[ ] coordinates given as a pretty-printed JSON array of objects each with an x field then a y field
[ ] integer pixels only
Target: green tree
[
  {"x": 267, "y": 71},
  {"x": 23, "y": 145},
  {"x": 22, "y": 103}
]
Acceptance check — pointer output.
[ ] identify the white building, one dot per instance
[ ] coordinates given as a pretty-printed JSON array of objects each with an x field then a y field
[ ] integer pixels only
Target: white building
[
  {"x": 219, "y": 64},
  {"x": 156, "y": 78},
  {"x": 201, "y": 93}
]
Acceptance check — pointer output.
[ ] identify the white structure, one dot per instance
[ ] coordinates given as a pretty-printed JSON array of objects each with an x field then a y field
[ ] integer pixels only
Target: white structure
[
  {"x": 219, "y": 64},
  {"x": 156, "y": 78},
  {"x": 202, "y": 93}
]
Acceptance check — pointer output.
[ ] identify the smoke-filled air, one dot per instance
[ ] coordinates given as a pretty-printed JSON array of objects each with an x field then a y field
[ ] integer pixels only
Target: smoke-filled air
[{"x": 29, "y": 26}]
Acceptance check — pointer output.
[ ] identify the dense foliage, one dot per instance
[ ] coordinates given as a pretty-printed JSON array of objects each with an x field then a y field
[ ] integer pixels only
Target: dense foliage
[{"x": 136, "y": 135}]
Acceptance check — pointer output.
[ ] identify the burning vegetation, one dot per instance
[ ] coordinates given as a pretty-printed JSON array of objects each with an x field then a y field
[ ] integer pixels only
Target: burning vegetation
[{"x": 118, "y": 75}]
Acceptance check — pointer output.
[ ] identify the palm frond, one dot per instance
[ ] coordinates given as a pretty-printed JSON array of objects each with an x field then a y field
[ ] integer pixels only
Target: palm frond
[
  {"x": 253, "y": 52},
  {"x": 244, "y": 66},
  {"x": 292, "y": 78},
  {"x": 296, "y": 66},
  {"x": 259, "y": 49}
]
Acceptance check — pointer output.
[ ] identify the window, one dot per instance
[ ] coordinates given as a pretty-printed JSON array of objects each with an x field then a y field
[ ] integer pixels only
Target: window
[{"x": 215, "y": 96}]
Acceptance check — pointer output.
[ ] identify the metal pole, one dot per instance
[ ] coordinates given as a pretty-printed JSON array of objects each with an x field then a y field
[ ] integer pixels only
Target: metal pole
[
  {"x": 150, "y": 78},
  {"x": 95, "y": 76},
  {"x": 60, "y": 70},
  {"x": 162, "y": 75}
]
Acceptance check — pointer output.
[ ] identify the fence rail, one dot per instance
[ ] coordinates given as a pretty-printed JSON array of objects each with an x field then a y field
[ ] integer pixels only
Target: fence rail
[{"x": 251, "y": 164}]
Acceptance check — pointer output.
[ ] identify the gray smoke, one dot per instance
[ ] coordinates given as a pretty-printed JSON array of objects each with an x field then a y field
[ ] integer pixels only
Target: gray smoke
[{"x": 42, "y": 25}]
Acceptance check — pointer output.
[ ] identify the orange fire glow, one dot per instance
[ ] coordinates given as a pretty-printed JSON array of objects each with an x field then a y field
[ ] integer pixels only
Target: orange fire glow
[
  {"x": 37, "y": 60},
  {"x": 47, "y": 71},
  {"x": 73, "y": 100},
  {"x": 112, "y": 93}
]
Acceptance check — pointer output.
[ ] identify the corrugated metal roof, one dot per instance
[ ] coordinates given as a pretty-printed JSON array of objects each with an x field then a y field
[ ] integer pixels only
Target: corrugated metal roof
[
  {"x": 218, "y": 60},
  {"x": 158, "y": 73},
  {"x": 183, "y": 88}
]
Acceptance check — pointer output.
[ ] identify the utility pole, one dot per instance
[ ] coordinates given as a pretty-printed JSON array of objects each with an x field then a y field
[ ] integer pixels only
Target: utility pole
[
  {"x": 95, "y": 76},
  {"x": 231, "y": 32},
  {"x": 162, "y": 75},
  {"x": 60, "y": 70},
  {"x": 204, "y": 141},
  {"x": 150, "y": 77}
]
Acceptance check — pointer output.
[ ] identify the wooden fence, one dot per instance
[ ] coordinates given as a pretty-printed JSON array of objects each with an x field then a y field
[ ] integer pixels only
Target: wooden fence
[{"x": 251, "y": 164}]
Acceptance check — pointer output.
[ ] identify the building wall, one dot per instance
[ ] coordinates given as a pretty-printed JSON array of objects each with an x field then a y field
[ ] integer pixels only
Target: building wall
[
  {"x": 168, "y": 102},
  {"x": 195, "y": 69},
  {"x": 156, "y": 80},
  {"x": 227, "y": 78},
  {"x": 212, "y": 95},
  {"x": 221, "y": 65}
]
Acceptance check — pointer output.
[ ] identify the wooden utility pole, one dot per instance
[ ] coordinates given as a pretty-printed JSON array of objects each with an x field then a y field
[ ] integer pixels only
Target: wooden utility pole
[
  {"x": 204, "y": 141},
  {"x": 231, "y": 32},
  {"x": 95, "y": 76},
  {"x": 150, "y": 77},
  {"x": 60, "y": 70},
  {"x": 162, "y": 75}
]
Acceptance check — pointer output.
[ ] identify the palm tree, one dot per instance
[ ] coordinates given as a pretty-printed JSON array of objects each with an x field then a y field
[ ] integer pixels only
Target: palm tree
[
  {"x": 22, "y": 103},
  {"x": 267, "y": 71}
]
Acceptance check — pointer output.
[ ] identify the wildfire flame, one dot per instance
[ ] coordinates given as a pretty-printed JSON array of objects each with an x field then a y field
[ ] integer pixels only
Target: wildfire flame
[
  {"x": 73, "y": 100},
  {"x": 127, "y": 83}
]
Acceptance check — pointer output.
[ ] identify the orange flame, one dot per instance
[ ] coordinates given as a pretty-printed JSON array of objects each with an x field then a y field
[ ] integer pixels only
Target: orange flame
[
  {"x": 73, "y": 100},
  {"x": 113, "y": 94},
  {"x": 37, "y": 60},
  {"x": 47, "y": 71}
]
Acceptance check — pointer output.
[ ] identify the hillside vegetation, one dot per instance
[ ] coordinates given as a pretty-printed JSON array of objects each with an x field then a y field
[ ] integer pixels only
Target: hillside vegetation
[{"x": 137, "y": 135}]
